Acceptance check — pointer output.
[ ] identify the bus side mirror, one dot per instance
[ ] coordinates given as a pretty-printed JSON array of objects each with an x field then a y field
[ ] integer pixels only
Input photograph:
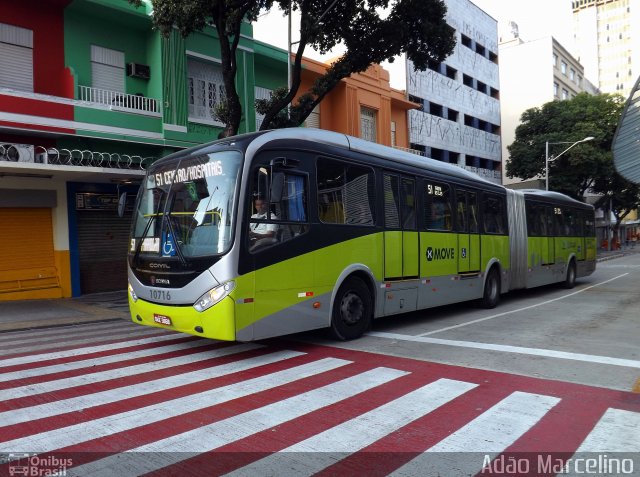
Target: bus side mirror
[{"x": 122, "y": 201}]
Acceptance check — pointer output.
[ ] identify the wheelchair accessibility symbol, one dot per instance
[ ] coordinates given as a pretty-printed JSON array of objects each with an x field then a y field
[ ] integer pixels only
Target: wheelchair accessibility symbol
[{"x": 168, "y": 250}]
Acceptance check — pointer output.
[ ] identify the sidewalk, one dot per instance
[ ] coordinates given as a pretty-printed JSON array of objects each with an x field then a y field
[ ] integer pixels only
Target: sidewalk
[
  {"x": 29, "y": 314},
  {"x": 604, "y": 255}
]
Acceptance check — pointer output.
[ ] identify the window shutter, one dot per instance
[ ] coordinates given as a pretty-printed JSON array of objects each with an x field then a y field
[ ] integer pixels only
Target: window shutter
[
  {"x": 313, "y": 120},
  {"x": 107, "y": 69},
  {"x": 16, "y": 51}
]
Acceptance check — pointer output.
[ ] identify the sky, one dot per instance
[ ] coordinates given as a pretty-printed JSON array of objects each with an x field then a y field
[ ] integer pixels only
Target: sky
[{"x": 535, "y": 19}]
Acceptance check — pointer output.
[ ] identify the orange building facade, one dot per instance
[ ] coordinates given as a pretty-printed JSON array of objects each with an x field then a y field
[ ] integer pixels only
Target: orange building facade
[{"x": 363, "y": 105}]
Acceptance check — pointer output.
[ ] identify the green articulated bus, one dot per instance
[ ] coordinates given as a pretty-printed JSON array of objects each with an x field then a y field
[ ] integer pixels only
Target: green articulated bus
[{"x": 278, "y": 232}]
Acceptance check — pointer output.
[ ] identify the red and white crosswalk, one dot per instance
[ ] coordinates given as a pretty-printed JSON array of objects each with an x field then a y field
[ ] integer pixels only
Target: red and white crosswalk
[{"x": 121, "y": 400}]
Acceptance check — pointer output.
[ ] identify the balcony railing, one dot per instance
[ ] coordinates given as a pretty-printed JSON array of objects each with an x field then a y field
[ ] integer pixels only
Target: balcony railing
[{"x": 116, "y": 100}]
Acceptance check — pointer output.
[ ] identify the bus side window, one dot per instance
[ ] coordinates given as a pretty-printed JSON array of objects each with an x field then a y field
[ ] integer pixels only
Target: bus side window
[
  {"x": 391, "y": 201},
  {"x": 278, "y": 207},
  {"x": 473, "y": 212},
  {"x": 438, "y": 212},
  {"x": 461, "y": 212},
  {"x": 346, "y": 193},
  {"x": 408, "y": 193},
  {"x": 533, "y": 224},
  {"x": 494, "y": 215}
]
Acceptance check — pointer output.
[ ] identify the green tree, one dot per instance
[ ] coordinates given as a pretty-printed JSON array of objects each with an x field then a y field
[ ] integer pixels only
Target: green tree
[
  {"x": 587, "y": 167},
  {"x": 414, "y": 27},
  {"x": 226, "y": 16}
]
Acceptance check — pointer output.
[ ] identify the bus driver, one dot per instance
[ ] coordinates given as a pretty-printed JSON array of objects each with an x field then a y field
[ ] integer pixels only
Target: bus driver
[{"x": 260, "y": 233}]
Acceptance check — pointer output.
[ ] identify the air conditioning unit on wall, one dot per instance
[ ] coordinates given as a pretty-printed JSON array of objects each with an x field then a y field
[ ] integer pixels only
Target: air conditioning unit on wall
[
  {"x": 17, "y": 152},
  {"x": 137, "y": 70}
]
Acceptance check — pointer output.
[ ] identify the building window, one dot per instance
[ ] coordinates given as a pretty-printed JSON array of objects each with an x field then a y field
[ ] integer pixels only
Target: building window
[
  {"x": 435, "y": 109},
  {"x": 260, "y": 93},
  {"x": 572, "y": 74},
  {"x": 393, "y": 134},
  {"x": 206, "y": 90},
  {"x": 466, "y": 41},
  {"x": 563, "y": 68},
  {"x": 452, "y": 115},
  {"x": 565, "y": 94},
  {"x": 16, "y": 51},
  {"x": 107, "y": 69},
  {"x": 313, "y": 120},
  {"x": 555, "y": 60},
  {"x": 467, "y": 80},
  {"x": 368, "y": 124},
  {"x": 450, "y": 72},
  {"x": 555, "y": 89}
]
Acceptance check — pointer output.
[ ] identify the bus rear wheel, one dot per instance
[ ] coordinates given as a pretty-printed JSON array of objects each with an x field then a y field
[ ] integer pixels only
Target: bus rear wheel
[
  {"x": 570, "y": 280},
  {"x": 352, "y": 310},
  {"x": 491, "y": 294}
]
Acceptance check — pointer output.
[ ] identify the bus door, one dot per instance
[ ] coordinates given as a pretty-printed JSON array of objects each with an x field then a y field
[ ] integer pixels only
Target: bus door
[
  {"x": 467, "y": 228},
  {"x": 401, "y": 244}
]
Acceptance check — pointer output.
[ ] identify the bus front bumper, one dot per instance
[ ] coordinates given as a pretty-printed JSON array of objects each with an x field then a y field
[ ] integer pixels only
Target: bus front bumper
[{"x": 218, "y": 322}]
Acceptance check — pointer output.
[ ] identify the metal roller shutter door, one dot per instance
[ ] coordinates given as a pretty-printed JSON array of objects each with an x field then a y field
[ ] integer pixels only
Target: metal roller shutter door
[
  {"x": 16, "y": 51},
  {"x": 27, "y": 259},
  {"x": 102, "y": 249}
]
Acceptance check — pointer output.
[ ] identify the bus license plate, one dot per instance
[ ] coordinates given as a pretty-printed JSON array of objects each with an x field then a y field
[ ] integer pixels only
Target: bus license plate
[{"x": 162, "y": 319}]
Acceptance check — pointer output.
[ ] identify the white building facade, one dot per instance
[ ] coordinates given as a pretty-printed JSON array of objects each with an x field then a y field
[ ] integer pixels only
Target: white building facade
[
  {"x": 607, "y": 41},
  {"x": 533, "y": 73},
  {"x": 459, "y": 121}
]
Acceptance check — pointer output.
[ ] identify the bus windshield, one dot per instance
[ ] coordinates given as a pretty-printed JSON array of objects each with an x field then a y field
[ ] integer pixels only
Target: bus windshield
[{"x": 185, "y": 207}]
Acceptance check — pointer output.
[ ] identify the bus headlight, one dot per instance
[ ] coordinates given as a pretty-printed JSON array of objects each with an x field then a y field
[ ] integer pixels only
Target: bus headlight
[
  {"x": 213, "y": 296},
  {"x": 133, "y": 295}
]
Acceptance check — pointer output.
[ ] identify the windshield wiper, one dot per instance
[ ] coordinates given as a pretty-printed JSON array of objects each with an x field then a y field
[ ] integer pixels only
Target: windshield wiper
[{"x": 177, "y": 246}]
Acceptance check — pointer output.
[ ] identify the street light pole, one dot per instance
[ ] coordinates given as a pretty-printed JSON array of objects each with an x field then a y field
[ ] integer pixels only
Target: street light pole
[{"x": 548, "y": 159}]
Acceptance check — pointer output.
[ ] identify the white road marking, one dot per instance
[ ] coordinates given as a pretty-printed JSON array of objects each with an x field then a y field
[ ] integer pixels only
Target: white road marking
[
  {"x": 490, "y": 434},
  {"x": 87, "y": 401},
  {"x": 229, "y": 430},
  {"x": 322, "y": 450},
  {"x": 90, "y": 378},
  {"x": 547, "y": 353},
  {"x": 617, "y": 431},
  {"x": 17, "y": 338},
  {"x": 46, "y": 356},
  {"x": 114, "y": 358},
  {"x": 480, "y": 320}
]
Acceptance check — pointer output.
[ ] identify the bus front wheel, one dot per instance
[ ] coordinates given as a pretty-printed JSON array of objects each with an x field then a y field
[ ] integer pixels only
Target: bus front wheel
[
  {"x": 491, "y": 295},
  {"x": 352, "y": 310}
]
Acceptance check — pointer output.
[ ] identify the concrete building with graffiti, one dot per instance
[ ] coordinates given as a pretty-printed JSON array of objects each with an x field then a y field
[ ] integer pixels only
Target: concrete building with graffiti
[{"x": 459, "y": 121}]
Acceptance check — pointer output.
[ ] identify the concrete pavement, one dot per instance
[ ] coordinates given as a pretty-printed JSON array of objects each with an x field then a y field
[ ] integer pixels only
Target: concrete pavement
[{"x": 29, "y": 314}]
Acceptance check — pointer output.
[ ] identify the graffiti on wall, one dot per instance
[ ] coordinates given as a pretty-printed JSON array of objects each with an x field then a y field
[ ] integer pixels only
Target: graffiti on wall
[
  {"x": 429, "y": 130},
  {"x": 430, "y": 84}
]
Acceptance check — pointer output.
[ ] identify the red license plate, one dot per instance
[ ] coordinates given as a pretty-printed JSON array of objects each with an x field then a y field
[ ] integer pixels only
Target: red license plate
[{"x": 162, "y": 319}]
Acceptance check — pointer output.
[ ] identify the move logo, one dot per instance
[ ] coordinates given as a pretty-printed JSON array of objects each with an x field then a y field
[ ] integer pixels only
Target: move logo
[{"x": 440, "y": 254}]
